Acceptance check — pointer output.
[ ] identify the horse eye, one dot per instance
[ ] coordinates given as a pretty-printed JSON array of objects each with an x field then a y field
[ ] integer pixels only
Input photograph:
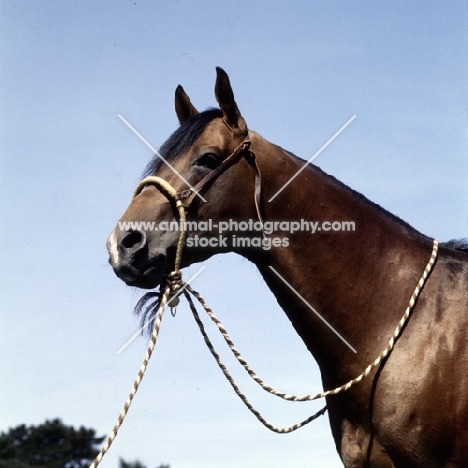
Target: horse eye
[{"x": 208, "y": 160}]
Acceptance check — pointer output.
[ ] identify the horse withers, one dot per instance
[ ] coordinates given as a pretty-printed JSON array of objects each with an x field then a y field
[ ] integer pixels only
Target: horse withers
[{"x": 412, "y": 410}]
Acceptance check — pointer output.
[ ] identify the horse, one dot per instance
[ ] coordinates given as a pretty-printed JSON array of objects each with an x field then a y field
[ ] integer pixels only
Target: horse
[{"x": 412, "y": 409}]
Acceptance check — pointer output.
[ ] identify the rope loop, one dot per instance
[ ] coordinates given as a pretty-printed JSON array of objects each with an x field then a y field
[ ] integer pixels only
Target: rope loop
[{"x": 173, "y": 286}]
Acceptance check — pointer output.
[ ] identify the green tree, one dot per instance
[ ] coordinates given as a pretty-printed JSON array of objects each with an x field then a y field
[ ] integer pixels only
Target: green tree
[
  {"x": 136, "y": 464},
  {"x": 48, "y": 445}
]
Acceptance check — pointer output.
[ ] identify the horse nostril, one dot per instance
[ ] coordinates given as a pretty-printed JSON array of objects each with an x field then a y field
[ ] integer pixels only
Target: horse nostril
[{"x": 133, "y": 239}]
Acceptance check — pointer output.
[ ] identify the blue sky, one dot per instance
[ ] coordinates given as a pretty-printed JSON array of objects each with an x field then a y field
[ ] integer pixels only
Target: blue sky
[{"x": 68, "y": 167}]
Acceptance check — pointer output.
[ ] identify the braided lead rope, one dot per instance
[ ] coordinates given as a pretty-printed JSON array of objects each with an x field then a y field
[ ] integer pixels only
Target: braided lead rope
[
  {"x": 238, "y": 355},
  {"x": 237, "y": 390},
  {"x": 334, "y": 391},
  {"x": 136, "y": 383}
]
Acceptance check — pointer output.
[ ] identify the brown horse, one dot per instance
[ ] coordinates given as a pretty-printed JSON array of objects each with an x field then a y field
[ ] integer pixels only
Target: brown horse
[{"x": 412, "y": 411}]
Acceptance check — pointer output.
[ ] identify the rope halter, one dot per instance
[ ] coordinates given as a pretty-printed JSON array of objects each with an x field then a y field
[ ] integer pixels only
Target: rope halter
[{"x": 178, "y": 199}]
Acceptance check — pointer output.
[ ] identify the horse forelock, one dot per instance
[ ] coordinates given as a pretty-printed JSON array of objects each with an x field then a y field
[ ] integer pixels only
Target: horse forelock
[{"x": 182, "y": 139}]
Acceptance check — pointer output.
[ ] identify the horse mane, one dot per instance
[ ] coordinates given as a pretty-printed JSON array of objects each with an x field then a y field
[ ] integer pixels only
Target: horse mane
[
  {"x": 187, "y": 133},
  {"x": 457, "y": 244},
  {"x": 182, "y": 139}
]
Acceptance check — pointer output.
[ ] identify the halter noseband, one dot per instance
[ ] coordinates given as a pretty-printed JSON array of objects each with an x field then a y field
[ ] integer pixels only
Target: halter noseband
[{"x": 172, "y": 195}]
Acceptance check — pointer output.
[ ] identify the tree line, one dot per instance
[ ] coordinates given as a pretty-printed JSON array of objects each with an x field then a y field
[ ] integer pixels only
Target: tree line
[{"x": 53, "y": 445}]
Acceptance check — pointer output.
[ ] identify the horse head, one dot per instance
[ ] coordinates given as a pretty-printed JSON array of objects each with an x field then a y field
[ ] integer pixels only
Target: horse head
[{"x": 143, "y": 244}]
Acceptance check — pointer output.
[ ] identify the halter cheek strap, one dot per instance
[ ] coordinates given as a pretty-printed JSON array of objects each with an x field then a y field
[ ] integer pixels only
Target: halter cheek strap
[{"x": 231, "y": 159}]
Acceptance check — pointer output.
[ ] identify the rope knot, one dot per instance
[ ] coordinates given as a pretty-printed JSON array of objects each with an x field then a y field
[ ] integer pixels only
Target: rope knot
[{"x": 175, "y": 284}]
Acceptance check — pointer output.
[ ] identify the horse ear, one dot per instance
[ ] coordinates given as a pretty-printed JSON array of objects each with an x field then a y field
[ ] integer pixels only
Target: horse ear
[
  {"x": 183, "y": 107},
  {"x": 227, "y": 104}
]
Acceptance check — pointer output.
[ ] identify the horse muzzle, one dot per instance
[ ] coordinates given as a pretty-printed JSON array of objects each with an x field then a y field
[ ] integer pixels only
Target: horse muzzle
[{"x": 132, "y": 259}]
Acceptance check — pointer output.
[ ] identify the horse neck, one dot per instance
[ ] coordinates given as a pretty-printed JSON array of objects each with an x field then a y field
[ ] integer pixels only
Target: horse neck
[{"x": 359, "y": 281}]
